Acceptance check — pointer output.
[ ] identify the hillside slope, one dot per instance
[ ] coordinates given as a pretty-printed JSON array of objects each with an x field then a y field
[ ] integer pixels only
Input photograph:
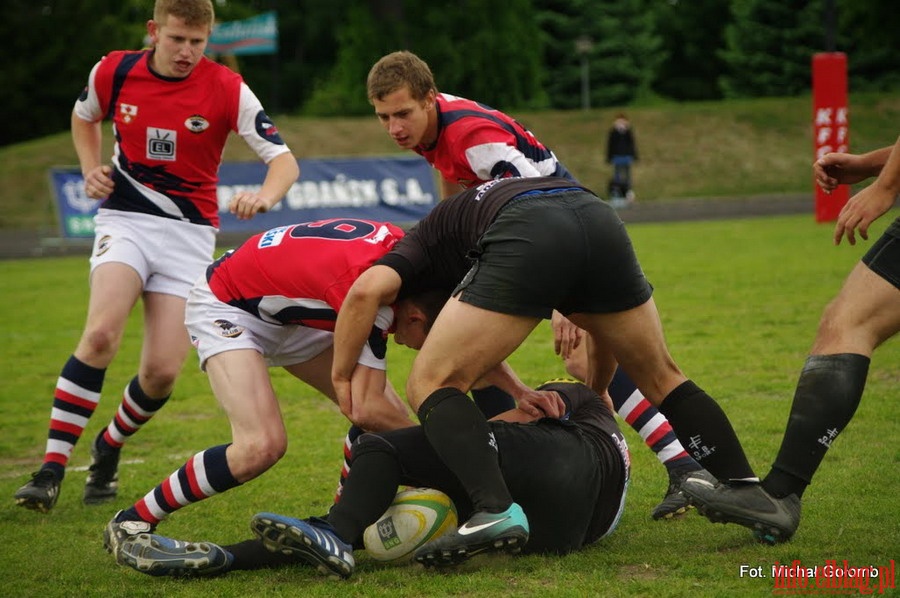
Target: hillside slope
[{"x": 721, "y": 149}]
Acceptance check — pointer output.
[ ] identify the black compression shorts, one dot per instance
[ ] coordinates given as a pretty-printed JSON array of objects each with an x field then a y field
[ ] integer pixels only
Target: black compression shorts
[{"x": 563, "y": 250}]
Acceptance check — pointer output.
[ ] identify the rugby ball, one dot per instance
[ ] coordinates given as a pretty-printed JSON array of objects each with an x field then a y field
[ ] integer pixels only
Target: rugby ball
[{"x": 416, "y": 516}]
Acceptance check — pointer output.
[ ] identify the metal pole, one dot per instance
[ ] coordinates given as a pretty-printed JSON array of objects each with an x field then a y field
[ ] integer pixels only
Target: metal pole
[{"x": 585, "y": 83}]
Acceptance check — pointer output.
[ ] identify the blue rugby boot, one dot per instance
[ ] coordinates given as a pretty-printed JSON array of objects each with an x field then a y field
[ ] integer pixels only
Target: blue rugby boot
[
  {"x": 312, "y": 541},
  {"x": 157, "y": 555}
]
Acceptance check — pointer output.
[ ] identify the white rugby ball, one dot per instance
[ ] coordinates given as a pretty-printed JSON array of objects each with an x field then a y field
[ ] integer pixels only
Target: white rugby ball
[{"x": 416, "y": 516}]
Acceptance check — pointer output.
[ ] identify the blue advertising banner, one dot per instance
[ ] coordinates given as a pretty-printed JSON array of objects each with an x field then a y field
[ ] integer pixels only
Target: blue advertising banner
[
  {"x": 256, "y": 35},
  {"x": 398, "y": 190}
]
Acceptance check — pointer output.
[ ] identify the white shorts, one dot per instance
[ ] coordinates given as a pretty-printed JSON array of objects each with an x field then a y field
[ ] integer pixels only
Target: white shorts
[
  {"x": 216, "y": 327},
  {"x": 167, "y": 254}
]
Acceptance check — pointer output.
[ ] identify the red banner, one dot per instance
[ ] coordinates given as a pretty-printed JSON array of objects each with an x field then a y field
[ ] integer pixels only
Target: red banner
[{"x": 831, "y": 127}]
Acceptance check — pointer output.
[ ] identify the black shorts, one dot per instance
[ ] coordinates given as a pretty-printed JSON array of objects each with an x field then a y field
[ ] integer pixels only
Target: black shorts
[
  {"x": 565, "y": 250},
  {"x": 883, "y": 258},
  {"x": 565, "y": 483}
]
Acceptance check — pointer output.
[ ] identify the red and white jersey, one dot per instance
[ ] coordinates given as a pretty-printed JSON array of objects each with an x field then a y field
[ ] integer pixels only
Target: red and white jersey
[
  {"x": 300, "y": 274},
  {"x": 170, "y": 133},
  {"x": 476, "y": 144}
]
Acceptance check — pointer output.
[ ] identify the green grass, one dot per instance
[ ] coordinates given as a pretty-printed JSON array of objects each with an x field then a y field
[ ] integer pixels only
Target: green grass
[
  {"x": 740, "y": 301},
  {"x": 695, "y": 149}
]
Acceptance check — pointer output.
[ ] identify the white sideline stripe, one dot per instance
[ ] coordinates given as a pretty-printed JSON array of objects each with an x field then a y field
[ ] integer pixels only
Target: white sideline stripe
[{"x": 9, "y": 475}]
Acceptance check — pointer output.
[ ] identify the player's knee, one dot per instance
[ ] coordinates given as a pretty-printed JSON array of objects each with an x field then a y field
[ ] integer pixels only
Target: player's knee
[
  {"x": 99, "y": 343},
  {"x": 368, "y": 444},
  {"x": 252, "y": 458},
  {"x": 835, "y": 330},
  {"x": 158, "y": 381}
]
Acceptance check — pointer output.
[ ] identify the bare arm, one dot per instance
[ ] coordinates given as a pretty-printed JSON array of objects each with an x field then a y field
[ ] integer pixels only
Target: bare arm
[
  {"x": 88, "y": 140},
  {"x": 835, "y": 169},
  {"x": 374, "y": 405},
  {"x": 535, "y": 403},
  {"x": 375, "y": 288},
  {"x": 872, "y": 202},
  {"x": 282, "y": 172}
]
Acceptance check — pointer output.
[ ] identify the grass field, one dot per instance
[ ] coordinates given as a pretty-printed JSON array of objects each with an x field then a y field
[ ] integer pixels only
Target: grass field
[{"x": 740, "y": 301}]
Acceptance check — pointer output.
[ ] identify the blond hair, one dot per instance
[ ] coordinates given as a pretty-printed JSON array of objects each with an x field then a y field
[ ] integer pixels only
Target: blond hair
[
  {"x": 194, "y": 13},
  {"x": 398, "y": 70}
]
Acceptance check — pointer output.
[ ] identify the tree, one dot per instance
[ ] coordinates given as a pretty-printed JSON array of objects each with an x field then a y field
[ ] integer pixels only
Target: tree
[
  {"x": 692, "y": 33},
  {"x": 49, "y": 48},
  {"x": 480, "y": 50},
  {"x": 867, "y": 33},
  {"x": 769, "y": 47},
  {"x": 625, "y": 52}
]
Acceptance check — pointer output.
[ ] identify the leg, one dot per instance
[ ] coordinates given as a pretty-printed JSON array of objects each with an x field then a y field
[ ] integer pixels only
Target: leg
[
  {"x": 240, "y": 381},
  {"x": 457, "y": 430},
  {"x": 115, "y": 288},
  {"x": 442, "y": 374},
  {"x": 865, "y": 313},
  {"x": 635, "y": 337},
  {"x": 164, "y": 350}
]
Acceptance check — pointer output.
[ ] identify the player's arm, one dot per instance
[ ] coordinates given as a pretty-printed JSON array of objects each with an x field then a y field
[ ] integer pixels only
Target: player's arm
[
  {"x": 374, "y": 405},
  {"x": 282, "y": 172},
  {"x": 535, "y": 403},
  {"x": 261, "y": 135},
  {"x": 491, "y": 153},
  {"x": 872, "y": 202},
  {"x": 87, "y": 137},
  {"x": 838, "y": 168},
  {"x": 375, "y": 288}
]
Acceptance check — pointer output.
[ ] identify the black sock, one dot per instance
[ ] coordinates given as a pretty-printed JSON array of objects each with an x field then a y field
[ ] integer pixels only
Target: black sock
[
  {"x": 704, "y": 430},
  {"x": 491, "y": 400},
  {"x": 826, "y": 398},
  {"x": 369, "y": 488},
  {"x": 252, "y": 554},
  {"x": 464, "y": 441}
]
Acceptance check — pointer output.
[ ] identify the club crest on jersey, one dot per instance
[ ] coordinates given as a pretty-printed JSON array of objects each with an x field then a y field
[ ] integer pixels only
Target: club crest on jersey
[
  {"x": 229, "y": 330},
  {"x": 161, "y": 144},
  {"x": 196, "y": 124},
  {"x": 128, "y": 111}
]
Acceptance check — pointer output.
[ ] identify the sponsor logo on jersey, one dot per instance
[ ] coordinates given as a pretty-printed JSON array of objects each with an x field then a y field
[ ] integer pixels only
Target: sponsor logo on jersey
[
  {"x": 161, "y": 144},
  {"x": 266, "y": 129},
  {"x": 128, "y": 111},
  {"x": 229, "y": 330},
  {"x": 196, "y": 124},
  {"x": 273, "y": 237},
  {"x": 103, "y": 245}
]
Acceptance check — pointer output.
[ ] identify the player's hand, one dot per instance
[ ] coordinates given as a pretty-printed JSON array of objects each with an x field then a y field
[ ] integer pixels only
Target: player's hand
[
  {"x": 836, "y": 168},
  {"x": 98, "y": 183},
  {"x": 566, "y": 335},
  {"x": 861, "y": 210},
  {"x": 542, "y": 403},
  {"x": 245, "y": 205}
]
